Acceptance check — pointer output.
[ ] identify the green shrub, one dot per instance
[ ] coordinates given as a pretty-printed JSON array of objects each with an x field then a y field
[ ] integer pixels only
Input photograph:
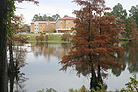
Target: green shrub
[
  {"x": 131, "y": 86},
  {"x": 47, "y": 90}
]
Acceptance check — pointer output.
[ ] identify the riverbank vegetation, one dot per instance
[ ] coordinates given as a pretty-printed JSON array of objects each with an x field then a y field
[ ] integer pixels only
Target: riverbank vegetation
[
  {"x": 51, "y": 38},
  {"x": 94, "y": 44},
  {"x": 131, "y": 86}
]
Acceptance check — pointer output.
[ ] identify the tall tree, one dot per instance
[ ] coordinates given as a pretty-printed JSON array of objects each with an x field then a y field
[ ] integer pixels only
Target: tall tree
[
  {"x": 3, "y": 45},
  {"x": 65, "y": 16},
  {"x": 119, "y": 12},
  {"x": 45, "y": 17},
  {"x": 131, "y": 28},
  {"x": 7, "y": 7},
  {"x": 36, "y": 17},
  {"x": 55, "y": 17},
  {"x": 134, "y": 13},
  {"x": 95, "y": 42}
]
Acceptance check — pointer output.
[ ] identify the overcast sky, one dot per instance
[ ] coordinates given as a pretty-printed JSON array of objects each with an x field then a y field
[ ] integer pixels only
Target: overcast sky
[{"x": 61, "y": 7}]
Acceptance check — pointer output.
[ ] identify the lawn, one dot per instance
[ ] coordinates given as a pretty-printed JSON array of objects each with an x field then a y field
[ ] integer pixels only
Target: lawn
[{"x": 51, "y": 38}]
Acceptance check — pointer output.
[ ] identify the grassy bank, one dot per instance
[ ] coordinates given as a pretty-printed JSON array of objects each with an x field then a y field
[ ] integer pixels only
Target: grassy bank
[{"x": 51, "y": 38}]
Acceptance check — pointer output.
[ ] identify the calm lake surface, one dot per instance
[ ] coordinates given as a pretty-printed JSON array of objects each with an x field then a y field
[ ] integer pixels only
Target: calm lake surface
[{"x": 41, "y": 69}]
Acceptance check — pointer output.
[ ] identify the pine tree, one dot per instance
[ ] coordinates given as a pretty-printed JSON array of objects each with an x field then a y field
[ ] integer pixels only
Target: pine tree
[
  {"x": 131, "y": 29},
  {"x": 95, "y": 42}
]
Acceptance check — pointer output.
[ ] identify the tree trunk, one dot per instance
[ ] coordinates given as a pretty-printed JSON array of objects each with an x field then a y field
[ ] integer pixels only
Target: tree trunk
[
  {"x": 94, "y": 80},
  {"x": 99, "y": 75},
  {"x": 3, "y": 46},
  {"x": 11, "y": 63}
]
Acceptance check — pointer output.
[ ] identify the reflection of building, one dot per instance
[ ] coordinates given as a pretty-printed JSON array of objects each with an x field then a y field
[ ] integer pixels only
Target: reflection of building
[
  {"x": 50, "y": 50},
  {"x": 62, "y": 25},
  {"x": 42, "y": 26}
]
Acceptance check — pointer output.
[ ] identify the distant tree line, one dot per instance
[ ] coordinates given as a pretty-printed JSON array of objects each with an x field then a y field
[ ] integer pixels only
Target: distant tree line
[
  {"x": 38, "y": 17},
  {"x": 130, "y": 20}
]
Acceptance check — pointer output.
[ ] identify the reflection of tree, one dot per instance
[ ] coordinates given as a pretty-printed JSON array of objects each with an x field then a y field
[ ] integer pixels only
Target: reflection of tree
[
  {"x": 129, "y": 58},
  {"x": 16, "y": 78},
  {"x": 117, "y": 71},
  {"x": 48, "y": 50},
  {"x": 132, "y": 56}
]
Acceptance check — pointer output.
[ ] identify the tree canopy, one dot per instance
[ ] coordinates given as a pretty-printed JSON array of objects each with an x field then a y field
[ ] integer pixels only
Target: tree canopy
[
  {"x": 95, "y": 42},
  {"x": 38, "y": 17},
  {"x": 134, "y": 13},
  {"x": 119, "y": 12},
  {"x": 7, "y": 8}
]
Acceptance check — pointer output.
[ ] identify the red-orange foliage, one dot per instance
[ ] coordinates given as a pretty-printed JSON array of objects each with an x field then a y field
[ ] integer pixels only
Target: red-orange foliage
[
  {"x": 41, "y": 37},
  {"x": 18, "y": 38},
  {"x": 100, "y": 41},
  {"x": 95, "y": 42},
  {"x": 65, "y": 37},
  {"x": 46, "y": 38}
]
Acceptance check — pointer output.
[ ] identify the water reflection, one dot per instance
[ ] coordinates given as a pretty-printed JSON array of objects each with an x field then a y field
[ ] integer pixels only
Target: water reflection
[
  {"x": 41, "y": 75},
  {"x": 16, "y": 61},
  {"x": 48, "y": 50},
  {"x": 130, "y": 66},
  {"x": 128, "y": 60},
  {"x": 131, "y": 56}
]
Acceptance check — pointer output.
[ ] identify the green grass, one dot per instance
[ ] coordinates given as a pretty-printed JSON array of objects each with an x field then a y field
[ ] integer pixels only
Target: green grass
[{"x": 51, "y": 38}]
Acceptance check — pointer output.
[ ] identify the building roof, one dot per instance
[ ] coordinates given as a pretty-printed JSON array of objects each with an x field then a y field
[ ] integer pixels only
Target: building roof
[
  {"x": 52, "y": 22},
  {"x": 67, "y": 18},
  {"x": 43, "y": 22}
]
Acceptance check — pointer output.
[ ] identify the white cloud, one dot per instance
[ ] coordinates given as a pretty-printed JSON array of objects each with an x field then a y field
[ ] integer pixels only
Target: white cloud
[
  {"x": 29, "y": 10},
  {"x": 61, "y": 7}
]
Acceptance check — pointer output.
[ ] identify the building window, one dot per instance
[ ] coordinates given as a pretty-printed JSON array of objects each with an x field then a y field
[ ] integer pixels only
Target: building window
[
  {"x": 62, "y": 31},
  {"x": 68, "y": 22},
  {"x": 61, "y": 27},
  {"x": 60, "y": 22},
  {"x": 68, "y": 27}
]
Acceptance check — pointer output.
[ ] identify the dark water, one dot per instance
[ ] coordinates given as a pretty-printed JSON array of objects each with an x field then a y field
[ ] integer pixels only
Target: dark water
[{"x": 40, "y": 69}]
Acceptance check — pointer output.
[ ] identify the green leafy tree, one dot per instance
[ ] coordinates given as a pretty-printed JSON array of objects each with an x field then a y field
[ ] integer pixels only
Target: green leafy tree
[
  {"x": 134, "y": 13},
  {"x": 45, "y": 17},
  {"x": 55, "y": 17},
  {"x": 36, "y": 17},
  {"x": 47, "y": 90},
  {"x": 131, "y": 28},
  {"x": 82, "y": 89},
  {"x": 119, "y": 12},
  {"x": 65, "y": 16},
  {"x": 132, "y": 86}
]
